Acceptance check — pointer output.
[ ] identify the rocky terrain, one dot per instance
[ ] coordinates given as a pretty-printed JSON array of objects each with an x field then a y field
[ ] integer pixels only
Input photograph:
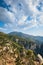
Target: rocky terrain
[{"x": 14, "y": 51}]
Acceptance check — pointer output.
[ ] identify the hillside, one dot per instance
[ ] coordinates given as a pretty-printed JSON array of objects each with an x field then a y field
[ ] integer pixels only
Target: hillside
[
  {"x": 30, "y": 42},
  {"x": 14, "y": 51},
  {"x": 20, "y": 34}
]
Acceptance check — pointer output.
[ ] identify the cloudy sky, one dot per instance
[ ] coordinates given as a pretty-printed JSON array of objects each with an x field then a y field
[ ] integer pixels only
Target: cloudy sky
[{"x": 22, "y": 15}]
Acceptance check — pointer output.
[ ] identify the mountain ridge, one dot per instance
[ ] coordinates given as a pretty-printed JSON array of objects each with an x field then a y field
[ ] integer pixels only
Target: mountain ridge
[{"x": 39, "y": 38}]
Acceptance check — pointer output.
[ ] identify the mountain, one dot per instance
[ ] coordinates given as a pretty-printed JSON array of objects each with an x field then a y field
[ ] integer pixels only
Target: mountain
[
  {"x": 30, "y": 42},
  {"x": 20, "y": 34},
  {"x": 15, "y": 50},
  {"x": 39, "y": 38}
]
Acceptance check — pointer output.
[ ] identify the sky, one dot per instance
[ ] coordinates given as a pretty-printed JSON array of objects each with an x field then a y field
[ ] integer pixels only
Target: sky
[{"x": 22, "y": 15}]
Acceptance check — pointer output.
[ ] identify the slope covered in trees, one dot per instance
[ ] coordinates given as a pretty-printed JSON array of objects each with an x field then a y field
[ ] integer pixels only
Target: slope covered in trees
[{"x": 15, "y": 50}]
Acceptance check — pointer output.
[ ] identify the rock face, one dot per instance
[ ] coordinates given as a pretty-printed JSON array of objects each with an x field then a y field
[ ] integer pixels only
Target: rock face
[{"x": 40, "y": 59}]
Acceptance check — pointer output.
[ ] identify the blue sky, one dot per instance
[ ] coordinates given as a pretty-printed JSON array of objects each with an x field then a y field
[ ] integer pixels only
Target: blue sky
[{"x": 22, "y": 15}]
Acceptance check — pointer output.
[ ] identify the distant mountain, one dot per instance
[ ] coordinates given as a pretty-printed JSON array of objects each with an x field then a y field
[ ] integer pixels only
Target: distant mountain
[
  {"x": 39, "y": 38},
  {"x": 20, "y": 34},
  {"x": 22, "y": 40}
]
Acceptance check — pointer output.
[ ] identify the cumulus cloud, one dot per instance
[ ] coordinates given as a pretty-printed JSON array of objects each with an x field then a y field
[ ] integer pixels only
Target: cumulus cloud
[
  {"x": 6, "y": 16},
  {"x": 22, "y": 14}
]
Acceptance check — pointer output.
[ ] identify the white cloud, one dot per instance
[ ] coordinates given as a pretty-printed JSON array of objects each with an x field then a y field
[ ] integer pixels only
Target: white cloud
[
  {"x": 28, "y": 27},
  {"x": 3, "y": 29},
  {"x": 40, "y": 19},
  {"x": 22, "y": 20},
  {"x": 18, "y": 13},
  {"x": 6, "y": 16},
  {"x": 32, "y": 24}
]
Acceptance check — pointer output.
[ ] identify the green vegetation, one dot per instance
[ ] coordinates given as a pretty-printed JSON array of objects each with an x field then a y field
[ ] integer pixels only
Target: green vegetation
[{"x": 13, "y": 51}]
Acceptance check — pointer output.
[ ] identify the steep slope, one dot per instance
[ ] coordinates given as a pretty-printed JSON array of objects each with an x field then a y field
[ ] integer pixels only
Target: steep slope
[
  {"x": 30, "y": 42},
  {"x": 13, "y": 52}
]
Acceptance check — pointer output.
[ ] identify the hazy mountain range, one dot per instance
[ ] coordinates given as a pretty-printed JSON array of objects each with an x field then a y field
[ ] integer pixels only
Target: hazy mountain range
[{"x": 38, "y": 38}]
